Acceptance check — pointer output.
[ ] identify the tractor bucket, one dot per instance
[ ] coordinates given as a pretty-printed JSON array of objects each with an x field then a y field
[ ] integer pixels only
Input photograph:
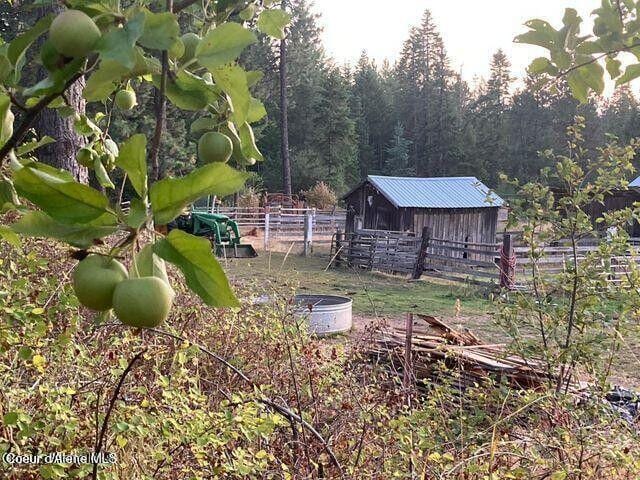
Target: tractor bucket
[{"x": 236, "y": 251}]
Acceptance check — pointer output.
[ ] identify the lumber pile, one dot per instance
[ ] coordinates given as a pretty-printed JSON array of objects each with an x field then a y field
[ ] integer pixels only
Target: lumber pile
[{"x": 441, "y": 353}]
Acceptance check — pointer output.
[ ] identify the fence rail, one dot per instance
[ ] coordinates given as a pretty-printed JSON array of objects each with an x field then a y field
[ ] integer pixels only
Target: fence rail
[
  {"x": 560, "y": 259},
  {"x": 378, "y": 250},
  {"x": 399, "y": 252},
  {"x": 283, "y": 222},
  {"x": 479, "y": 263}
]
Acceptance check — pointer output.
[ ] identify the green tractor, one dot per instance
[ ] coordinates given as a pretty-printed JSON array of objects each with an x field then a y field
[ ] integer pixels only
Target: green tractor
[{"x": 220, "y": 229}]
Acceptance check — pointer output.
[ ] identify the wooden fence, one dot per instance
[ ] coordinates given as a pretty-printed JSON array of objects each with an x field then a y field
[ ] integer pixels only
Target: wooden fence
[
  {"x": 559, "y": 258},
  {"x": 501, "y": 263},
  {"x": 406, "y": 253},
  {"x": 470, "y": 262},
  {"x": 385, "y": 251},
  {"x": 282, "y": 222}
]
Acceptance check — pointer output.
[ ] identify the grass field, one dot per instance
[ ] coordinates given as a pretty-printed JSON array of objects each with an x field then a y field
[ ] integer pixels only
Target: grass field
[
  {"x": 378, "y": 295},
  {"x": 373, "y": 294}
]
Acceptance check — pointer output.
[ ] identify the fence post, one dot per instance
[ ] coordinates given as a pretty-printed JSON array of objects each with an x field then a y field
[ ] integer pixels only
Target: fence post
[
  {"x": 267, "y": 216},
  {"x": 507, "y": 264},
  {"x": 372, "y": 251},
  {"x": 422, "y": 253},
  {"x": 338, "y": 261},
  {"x": 308, "y": 233},
  {"x": 407, "y": 377}
]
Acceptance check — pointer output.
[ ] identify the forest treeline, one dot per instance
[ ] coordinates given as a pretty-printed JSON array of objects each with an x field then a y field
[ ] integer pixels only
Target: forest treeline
[
  {"x": 414, "y": 117},
  {"x": 417, "y": 116}
]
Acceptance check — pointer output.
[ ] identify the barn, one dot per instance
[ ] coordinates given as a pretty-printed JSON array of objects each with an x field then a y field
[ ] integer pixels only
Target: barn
[
  {"x": 617, "y": 200},
  {"x": 454, "y": 208}
]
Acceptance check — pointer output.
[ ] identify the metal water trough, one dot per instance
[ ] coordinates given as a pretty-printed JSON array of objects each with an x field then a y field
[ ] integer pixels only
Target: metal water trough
[{"x": 325, "y": 314}]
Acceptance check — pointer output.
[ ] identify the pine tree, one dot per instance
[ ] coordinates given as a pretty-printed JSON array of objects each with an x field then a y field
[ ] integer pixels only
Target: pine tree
[
  {"x": 490, "y": 118},
  {"x": 500, "y": 79},
  {"x": 530, "y": 129},
  {"x": 397, "y": 160},
  {"x": 335, "y": 142},
  {"x": 344, "y": 124},
  {"x": 425, "y": 98},
  {"x": 621, "y": 116},
  {"x": 373, "y": 115}
]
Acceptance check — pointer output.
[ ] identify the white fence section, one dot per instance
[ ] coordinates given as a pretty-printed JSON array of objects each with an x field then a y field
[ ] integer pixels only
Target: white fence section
[{"x": 307, "y": 226}]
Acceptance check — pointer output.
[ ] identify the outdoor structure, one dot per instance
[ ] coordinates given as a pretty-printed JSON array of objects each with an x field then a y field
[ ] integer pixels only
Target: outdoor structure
[
  {"x": 459, "y": 209},
  {"x": 616, "y": 200}
]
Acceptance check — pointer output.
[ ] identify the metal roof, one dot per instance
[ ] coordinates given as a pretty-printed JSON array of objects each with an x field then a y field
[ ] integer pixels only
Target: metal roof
[
  {"x": 436, "y": 192},
  {"x": 635, "y": 183}
]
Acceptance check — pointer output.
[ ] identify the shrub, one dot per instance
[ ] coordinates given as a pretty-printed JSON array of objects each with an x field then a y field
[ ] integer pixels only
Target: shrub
[
  {"x": 321, "y": 196},
  {"x": 573, "y": 319},
  {"x": 249, "y": 198},
  {"x": 183, "y": 414}
]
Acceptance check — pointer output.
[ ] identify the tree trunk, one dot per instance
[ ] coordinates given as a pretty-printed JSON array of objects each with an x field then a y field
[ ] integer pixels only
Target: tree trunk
[
  {"x": 62, "y": 153},
  {"x": 284, "y": 123},
  {"x": 160, "y": 109}
]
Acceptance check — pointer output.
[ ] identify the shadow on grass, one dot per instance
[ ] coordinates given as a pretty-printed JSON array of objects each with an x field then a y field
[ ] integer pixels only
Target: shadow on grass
[{"x": 372, "y": 293}]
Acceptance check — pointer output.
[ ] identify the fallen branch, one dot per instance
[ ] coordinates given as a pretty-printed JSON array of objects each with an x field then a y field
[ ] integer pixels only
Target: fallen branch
[{"x": 112, "y": 402}]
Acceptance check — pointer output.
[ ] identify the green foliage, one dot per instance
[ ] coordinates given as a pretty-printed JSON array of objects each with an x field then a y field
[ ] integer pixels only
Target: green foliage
[
  {"x": 39, "y": 224},
  {"x": 223, "y": 45},
  {"x": 181, "y": 413},
  {"x": 579, "y": 57},
  {"x": 132, "y": 160},
  {"x": 574, "y": 319},
  {"x": 397, "y": 161},
  {"x": 122, "y": 48},
  {"x": 60, "y": 196},
  {"x": 170, "y": 196},
  {"x": 273, "y": 22},
  {"x": 202, "y": 273},
  {"x": 453, "y": 127},
  {"x": 168, "y": 418}
]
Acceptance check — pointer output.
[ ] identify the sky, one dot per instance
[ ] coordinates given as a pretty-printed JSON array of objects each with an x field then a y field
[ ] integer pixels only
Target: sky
[{"x": 472, "y": 29}]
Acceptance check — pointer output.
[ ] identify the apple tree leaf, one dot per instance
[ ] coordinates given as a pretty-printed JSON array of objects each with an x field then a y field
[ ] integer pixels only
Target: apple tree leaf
[
  {"x": 39, "y": 224},
  {"x": 223, "y": 45},
  {"x": 170, "y": 196},
  {"x": 132, "y": 159},
  {"x": 60, "y": 196},
  {"x": 272, "y": 22},
  {"x": 194, "y": 257}
]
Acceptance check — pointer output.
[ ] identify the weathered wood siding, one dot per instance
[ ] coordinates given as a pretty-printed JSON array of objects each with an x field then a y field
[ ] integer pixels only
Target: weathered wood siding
[
  {"x": 377, "y": 212},
  {"x": 465, "y": 224},
  {"x": 617, "y": 200},
  {"x": 475, "y": 225}
]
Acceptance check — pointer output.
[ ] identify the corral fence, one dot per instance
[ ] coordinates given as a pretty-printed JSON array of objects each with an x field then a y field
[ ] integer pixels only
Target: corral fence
[
  {"x": 308, "y": 226},
  {"x": 406, "y": 253},
  {"x": 559, "y": 258},
  {"x": 503, "y": 263},
  {"x": 393, "y": 252}
]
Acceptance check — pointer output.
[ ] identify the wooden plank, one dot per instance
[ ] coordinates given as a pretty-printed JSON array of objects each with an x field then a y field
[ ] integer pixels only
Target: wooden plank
[
  {"x": 465, "y": 261},
  {"x": 470, "y": 244},
  {"x": 450, "y": 248}
]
